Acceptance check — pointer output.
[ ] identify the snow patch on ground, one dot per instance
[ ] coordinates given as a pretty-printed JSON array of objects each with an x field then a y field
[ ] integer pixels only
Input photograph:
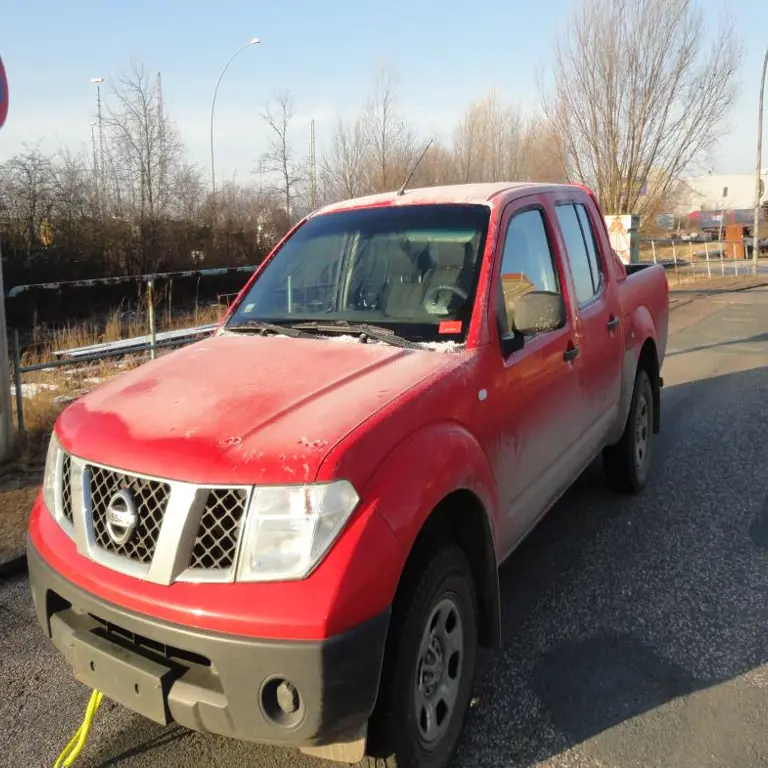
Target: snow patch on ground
[{"x": 33, "y": 389}]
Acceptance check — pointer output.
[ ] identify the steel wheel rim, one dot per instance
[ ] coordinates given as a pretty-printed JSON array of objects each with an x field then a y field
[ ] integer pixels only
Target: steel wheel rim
[
  {"x": 642, "y": 432},
  {"x": 438, "y": 671}
]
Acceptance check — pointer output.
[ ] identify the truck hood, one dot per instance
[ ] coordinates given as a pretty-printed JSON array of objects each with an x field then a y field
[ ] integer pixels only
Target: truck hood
[{"x": 241, "y": 409}]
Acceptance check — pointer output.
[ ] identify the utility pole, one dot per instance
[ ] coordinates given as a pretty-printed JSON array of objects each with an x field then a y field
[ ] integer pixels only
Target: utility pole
[
  {"x": 722, "y": 217},
  {"x": 758, "y": 169},
  {"x": 98, "y": 82},
  {"x": 161, "y": 136},
  {"x": 6, "y": 421},
  {"x": 95, "y": 168},
  {"x": 312, "y": 167}
]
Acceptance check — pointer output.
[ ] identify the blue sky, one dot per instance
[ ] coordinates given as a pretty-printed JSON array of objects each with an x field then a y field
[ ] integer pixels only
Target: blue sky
[{"x": 446, "y": 54}]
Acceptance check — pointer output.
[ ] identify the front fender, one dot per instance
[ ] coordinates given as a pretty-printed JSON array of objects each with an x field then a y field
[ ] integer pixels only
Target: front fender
[{"x": 422, "y": 470}]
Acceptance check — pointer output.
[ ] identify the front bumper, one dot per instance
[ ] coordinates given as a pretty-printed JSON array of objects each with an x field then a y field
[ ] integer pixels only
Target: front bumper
[{"x": 297, "y": 693}]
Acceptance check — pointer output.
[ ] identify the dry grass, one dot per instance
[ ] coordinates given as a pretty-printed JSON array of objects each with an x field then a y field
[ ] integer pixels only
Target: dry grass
[
  {"x": 703, "y": 273},
  {"x": 686, "y": 251},
  {"x": 49, "y": 391}
]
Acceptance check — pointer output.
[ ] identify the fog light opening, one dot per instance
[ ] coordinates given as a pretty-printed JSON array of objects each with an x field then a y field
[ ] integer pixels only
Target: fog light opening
[{"x": 281, "y": 702}]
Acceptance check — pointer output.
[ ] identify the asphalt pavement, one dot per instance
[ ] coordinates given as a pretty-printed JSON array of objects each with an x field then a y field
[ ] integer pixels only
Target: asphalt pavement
[{"x": 634, "y": 628}]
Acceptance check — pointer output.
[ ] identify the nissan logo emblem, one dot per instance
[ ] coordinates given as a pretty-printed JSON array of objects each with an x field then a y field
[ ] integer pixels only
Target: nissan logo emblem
[{"x": 122, "y": 517}]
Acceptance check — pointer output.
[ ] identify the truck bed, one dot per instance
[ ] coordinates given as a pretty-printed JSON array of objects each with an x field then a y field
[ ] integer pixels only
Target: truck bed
[{"x": 646, "y": 289}]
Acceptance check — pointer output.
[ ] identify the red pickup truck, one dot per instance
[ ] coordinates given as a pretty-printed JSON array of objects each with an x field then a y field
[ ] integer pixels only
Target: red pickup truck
[{"x": 290, "y": 532}]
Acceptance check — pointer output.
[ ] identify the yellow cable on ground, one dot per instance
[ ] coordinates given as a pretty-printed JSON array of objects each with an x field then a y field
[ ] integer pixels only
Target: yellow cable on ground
[{"x": 75, "y": 747}]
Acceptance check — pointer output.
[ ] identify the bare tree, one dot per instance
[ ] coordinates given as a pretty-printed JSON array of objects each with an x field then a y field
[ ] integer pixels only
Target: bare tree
[
  {"x": 279, "y": 159},
  {"x": 641, "y": 91},
  {"x": 489, "y": 141},
  {"x": 543, "y": 153},
  {"x": 389, "y": 137},
  {"x": 343, "y": 170},
  {"x": 146, "y": 153},
  {"x": 27, "y": 184},
  {"x": 144, "y": 143}
]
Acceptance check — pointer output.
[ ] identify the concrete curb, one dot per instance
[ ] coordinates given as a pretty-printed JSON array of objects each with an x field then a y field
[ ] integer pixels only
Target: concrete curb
[{"x": 15, "y": 566}]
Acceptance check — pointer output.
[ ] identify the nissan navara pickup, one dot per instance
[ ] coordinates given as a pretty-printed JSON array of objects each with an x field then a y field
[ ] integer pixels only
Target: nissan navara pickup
[{"x": 290, "y": 531}]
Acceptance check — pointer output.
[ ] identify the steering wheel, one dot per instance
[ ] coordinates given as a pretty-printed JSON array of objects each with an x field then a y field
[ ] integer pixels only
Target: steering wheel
[{"x": 430, "y": 300}]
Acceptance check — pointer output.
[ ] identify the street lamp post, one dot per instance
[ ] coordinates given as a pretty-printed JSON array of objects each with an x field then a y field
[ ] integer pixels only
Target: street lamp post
[
  {"x": 758, "y": 180},
  {"x": 251, "y": 42}
]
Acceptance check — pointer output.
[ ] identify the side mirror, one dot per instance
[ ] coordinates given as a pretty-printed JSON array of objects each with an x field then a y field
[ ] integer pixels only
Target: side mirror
[{"x": 539, "y": 312}]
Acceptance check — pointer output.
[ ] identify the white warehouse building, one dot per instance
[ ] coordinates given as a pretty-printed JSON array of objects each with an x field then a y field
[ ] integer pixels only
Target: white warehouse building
[{"x": 705, "y": 193}]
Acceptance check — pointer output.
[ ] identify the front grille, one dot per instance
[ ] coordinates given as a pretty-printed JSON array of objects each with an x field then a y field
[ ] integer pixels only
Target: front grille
[
  {"x": 151, "y": 497},
  {"x": 203, "y": 547},
  {"x": 219, "y": 531},
  {"x": 66, "y": 487}
]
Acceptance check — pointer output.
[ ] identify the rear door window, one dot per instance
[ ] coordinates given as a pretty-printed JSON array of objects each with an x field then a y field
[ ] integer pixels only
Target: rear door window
[
  {"x": 595, "y": 262},
  {"x": 578, "y": 255}
]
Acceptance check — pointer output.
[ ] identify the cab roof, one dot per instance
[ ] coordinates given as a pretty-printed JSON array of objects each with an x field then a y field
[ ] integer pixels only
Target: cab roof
[{"x": 483, "y": 194}]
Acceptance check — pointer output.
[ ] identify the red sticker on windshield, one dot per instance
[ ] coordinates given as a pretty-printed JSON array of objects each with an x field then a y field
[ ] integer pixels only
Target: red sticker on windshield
[{"x": 449, "y": 326}]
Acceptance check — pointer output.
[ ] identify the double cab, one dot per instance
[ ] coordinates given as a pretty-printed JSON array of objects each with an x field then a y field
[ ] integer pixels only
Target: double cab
[{"x": 290, "y": 531}]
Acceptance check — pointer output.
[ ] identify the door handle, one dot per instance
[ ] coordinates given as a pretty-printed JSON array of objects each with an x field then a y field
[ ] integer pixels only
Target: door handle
[
  {"x": 571, "y": 352},
  {"x": 613, "y": 323}
]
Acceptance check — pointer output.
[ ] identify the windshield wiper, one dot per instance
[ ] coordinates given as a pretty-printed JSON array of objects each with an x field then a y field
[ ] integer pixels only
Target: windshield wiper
[
  {"x": 259, "y": 326},
  {"x": 364, "y": 329}
]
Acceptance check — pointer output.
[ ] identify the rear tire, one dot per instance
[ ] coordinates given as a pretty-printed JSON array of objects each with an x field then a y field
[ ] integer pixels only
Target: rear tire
[
  {"x": 628, "y": 463},
  {"x": 429, "y": 667}
]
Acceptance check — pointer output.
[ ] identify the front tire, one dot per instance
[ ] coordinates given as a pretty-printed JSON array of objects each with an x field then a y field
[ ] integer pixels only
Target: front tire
[
  {"x": 628, "y": 463},
  {"x": 429, "y": 667}
]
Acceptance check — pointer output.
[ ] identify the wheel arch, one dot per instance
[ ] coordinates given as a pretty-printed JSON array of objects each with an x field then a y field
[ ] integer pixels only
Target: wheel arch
[
  {"x": 649, "y": 362},
  {"x": 461, "y": 519}
]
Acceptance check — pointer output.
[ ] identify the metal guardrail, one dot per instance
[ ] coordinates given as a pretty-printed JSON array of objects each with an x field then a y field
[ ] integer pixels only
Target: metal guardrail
[
  {"x": 138, "y": 342},
  {"x": 89, "y": 283},
  {"x": 104, "y": 354}
]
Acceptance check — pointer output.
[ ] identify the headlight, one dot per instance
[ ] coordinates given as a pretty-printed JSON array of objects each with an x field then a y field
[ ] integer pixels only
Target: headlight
[
  {"x": 49, "y": 478},
  {"x": 289, "y": 529}
]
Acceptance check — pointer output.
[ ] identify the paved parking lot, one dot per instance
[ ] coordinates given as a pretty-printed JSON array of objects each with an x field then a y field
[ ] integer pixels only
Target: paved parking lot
[{"x": 635, "y": 629}]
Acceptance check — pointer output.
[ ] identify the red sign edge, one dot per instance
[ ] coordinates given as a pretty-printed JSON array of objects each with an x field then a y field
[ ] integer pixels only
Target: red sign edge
[{"x": 4, "y": 98}]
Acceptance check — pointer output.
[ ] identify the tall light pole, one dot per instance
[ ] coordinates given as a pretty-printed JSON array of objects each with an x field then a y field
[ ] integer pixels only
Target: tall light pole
[
  {"x": 96, "y": 169},
  {"x": 758, "y": 179},
  {"x": 98, "y": 82},
  {"x": 253, "y": 41}
]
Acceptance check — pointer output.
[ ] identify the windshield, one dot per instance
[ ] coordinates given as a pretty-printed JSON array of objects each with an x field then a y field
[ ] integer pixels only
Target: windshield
[{"x": 412, "y": 269}]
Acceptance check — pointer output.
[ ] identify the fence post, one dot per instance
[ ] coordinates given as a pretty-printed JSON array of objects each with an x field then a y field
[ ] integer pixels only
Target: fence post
[
  {"x": 722, "y": 257},
  {"x": 19, "y": 393},
  {"x": 709, "y": 266},
  {"x": 693, "y": 258},
  {"x": 653, "y": 248},
  {"x": 6, "y": 404},
  {"x": 151, "y": 310},
  {"x": 197, "y": 295},
  {"x": 674, "y": 258}
]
